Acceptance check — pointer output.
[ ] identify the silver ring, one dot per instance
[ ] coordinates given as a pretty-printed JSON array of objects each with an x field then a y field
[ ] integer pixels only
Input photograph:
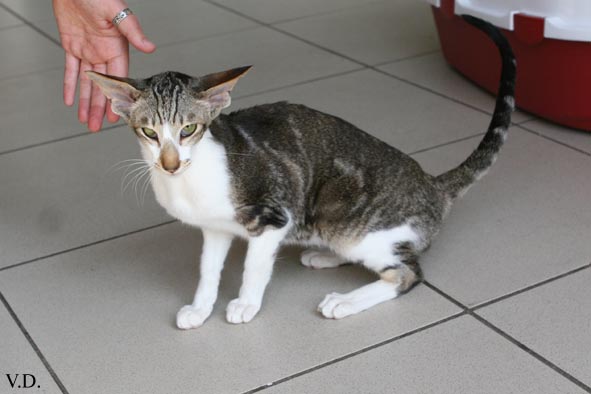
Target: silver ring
[{"x": 122, "y": 15}]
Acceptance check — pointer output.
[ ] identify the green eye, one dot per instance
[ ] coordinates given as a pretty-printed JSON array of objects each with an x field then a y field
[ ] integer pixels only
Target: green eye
[
  {"x": 149, "y": 133},
  {"x": 188, "y": 130}
]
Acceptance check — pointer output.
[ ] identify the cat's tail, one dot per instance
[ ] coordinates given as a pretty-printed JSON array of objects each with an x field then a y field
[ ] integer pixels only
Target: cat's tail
[{"x": 457, "y": 181}]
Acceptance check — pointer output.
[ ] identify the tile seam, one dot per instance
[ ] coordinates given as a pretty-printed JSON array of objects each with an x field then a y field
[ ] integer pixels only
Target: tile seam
[
  {"x": 354, "y": 60},
  {"x": 84, "y": 246},
  {"x": 531, "y": 352},
  {"x": 470, "y": 311},
  {"x": 29, "y": 24},
  {"x": 355, "y": 353},
  {"x": 60, "y": 139},
  {"x": 548, "y": 138},
  {"x": 530, "y": 287},
  {"x": 32, "y": 343},
  {"x": 323, "y": 13}
]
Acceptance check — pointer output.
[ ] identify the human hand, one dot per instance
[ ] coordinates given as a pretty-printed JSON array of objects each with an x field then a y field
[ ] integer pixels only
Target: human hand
[{"x": 92, "y": 42}]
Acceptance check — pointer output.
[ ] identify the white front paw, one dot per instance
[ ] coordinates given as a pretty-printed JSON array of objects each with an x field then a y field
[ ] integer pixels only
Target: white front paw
[
  {"x": 336, "y": 306},
  {"x": 191, "y": 317},
  {"x": 239, "y": 311}
]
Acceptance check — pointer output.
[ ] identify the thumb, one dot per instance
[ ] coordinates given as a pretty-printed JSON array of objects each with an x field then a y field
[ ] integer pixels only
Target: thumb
[{"x": 131, "y": 29}]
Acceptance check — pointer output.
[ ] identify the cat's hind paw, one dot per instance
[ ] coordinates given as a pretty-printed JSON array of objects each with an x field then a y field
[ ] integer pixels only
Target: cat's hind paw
[
  {"x": 337, "y": 306},
  {"x": 319, "y": 259},
  {"x": 191, "y": 317},
  {"x": 239, "y": 311}
]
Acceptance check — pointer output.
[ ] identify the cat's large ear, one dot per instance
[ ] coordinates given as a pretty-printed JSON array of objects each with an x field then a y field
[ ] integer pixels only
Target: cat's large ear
[
  {"x": 215, "y": 88},
  {"x": 122, "y": 92}
]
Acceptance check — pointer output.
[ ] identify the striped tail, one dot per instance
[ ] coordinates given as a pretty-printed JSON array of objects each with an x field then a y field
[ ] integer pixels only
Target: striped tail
[{"x": 457, "y": 181}]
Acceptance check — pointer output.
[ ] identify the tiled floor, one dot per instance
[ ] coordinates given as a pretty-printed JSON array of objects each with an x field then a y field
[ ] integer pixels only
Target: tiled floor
[{"x": 91, "y": 275}]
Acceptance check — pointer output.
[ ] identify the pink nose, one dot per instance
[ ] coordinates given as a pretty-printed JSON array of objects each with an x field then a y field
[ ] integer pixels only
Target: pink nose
[
  {"x": 169, "y": 157},
  {"x": 171, "y": 167}
]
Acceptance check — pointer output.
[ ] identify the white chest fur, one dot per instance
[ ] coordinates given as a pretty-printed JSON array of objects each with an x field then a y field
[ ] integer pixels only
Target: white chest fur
[{"x": 200, "y": 195}]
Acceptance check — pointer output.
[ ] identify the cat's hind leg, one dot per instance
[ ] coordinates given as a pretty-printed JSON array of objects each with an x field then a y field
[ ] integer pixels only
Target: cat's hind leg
[
  {"x": 319, "y": 259},
  {"x": 392, "y": 255},
  {"x": 393, "y": 282}
]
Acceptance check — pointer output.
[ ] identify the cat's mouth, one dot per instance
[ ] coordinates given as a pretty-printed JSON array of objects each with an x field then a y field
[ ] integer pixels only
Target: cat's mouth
[{"x": 173, "y": 170}]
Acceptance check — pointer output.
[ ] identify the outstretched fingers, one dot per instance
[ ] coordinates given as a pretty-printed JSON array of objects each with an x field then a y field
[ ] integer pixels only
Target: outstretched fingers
[
  {"x": 71, "y": 72},
  {"x": 98, "y": 103},
  {"x": 85, "y": 91}
]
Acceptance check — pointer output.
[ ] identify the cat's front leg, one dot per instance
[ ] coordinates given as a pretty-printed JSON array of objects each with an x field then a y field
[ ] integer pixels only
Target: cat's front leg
[
  {"x": 215, "y": 248},
  {"x": 258, "y": 267}
]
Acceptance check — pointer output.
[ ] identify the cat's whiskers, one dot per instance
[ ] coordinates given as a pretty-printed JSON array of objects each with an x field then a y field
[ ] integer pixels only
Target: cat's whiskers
[
  {"x": 136, "y": 181},
  {"x": 142, "y": 184},
  {"x": 147, "y": 182},
  {"x": 125, "y": 164},
  {"x": 131, "y": 176}
]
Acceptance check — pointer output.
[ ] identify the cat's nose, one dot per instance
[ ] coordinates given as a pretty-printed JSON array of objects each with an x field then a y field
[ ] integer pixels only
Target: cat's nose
[
  {"x": 169, "y": 157},
  {"x": 173, "y": 169}
]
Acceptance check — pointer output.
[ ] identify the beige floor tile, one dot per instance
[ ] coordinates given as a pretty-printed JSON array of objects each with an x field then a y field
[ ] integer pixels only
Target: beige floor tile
[
  {"x": 272, "y": 11},
  {"x": 432, "y": 72},
  {"x": 117, "y": 302},
  {"x": 19, "y": 358},
  {"x": 524, "y": 222},
  {"x": 552, "y": 320},
  {"x": 576, "y": 138},
  {"x": 29, "y": 52},
  {"x": 67, "y": 194},
  {"x": 377, "y": 33},
  {"x": 460, "y": 356}
]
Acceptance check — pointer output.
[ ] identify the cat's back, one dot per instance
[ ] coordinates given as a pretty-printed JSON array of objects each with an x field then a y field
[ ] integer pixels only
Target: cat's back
[{"x": 292, "y": 127}]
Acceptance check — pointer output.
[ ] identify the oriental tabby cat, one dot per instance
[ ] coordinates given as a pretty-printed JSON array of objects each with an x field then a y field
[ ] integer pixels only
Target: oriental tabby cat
[{"x": 286, "y": 174}]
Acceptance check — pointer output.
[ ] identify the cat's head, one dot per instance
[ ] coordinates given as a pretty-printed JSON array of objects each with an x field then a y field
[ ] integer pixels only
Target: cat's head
[{"x": 170, "y": 111}]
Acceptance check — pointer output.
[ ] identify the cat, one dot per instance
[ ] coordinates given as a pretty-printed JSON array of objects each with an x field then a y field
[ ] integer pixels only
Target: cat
[{"x": 283, "y": 173}]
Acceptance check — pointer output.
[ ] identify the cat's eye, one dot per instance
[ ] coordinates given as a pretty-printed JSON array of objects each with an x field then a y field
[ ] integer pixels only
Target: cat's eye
[
  {"x": 150, "y": 133},
  {"x": 188, "y": 130}
]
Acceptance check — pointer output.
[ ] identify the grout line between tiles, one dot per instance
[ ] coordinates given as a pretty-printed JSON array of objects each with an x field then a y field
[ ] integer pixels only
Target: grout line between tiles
[
  {"x": 351, "y": 59},
  {"x": 446, "y": 296},
  {"x": 339, "y": 74},
  {"x": 237, "y": 98},
  {"x": 69, "y": 137},
  {"x": 361, "y": 64},
  {"x": 376, "y": 69},
  {"x": 465, "y": 311},
  {"x": 445, "y": 144},
  {"x": 531, "y": 352},
  {"x": 323, "y": 13},
  {"x": 275, "y": 28},
  {"x": 10, "y": 26},
  {"x": 29, "y": 24},
  {"x": 87, "y": 245},
  {"x": 355, "y": 353},
  {"x": 24, "y": 331},
  {"x": 471, "y": 312},
  {"x": 521, "y": 126},
  {"x": 135, "y": 51},
  {"x": 442, "y": 95},
  {"x": 406, "y": 58},
  {"x": 527, "y": 288}
]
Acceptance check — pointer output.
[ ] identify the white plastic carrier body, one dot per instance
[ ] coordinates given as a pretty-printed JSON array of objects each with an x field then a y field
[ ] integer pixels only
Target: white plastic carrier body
[{"x": 563, "y": 19}]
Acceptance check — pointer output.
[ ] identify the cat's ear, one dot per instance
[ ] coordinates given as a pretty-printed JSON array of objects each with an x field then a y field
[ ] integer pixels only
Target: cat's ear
[
  {"x": 122, "y": 92},
  {"x": 215, "y": 88}
]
